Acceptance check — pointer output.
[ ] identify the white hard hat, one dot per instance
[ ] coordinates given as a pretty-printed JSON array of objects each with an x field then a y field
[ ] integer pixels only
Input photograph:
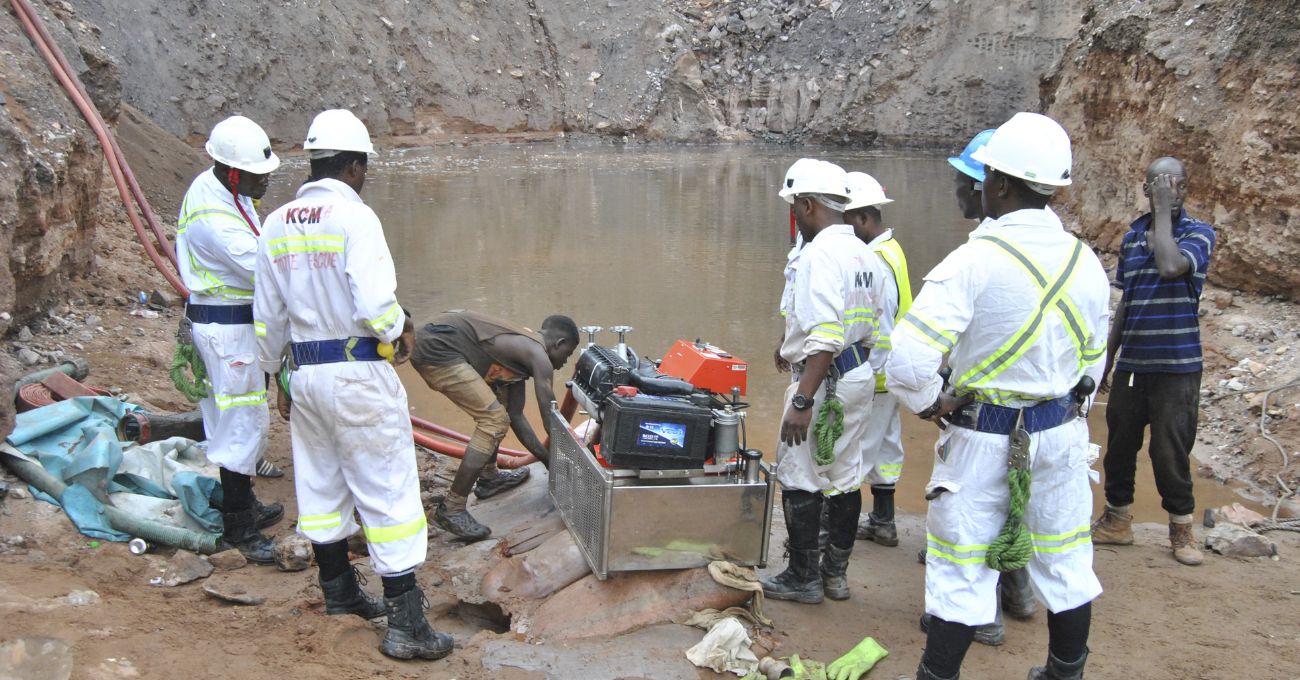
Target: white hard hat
[
  {"x": 811, "y": 176},
  {"x": 865, "y": 191},
  {"x": 240, "y": 143},
  {"x": 1032, "y": 147},
  {"x": 337, "y": 130}
]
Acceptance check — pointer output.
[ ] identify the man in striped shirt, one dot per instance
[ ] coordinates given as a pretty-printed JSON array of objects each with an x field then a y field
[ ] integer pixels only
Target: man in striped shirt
[{"x": 1156, "y": 334}]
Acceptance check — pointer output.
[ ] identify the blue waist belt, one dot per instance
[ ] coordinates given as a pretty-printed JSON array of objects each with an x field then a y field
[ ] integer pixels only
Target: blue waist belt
[
  {"x": 983, "y": 417},
  {"x": 852, "y": 357},
  {"x": 231, "y": 315},
  {"x": 335, "y": 351}
]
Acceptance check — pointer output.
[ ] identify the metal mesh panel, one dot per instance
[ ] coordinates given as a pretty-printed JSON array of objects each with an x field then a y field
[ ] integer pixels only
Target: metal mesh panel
[{"x": 580, "y": 491}]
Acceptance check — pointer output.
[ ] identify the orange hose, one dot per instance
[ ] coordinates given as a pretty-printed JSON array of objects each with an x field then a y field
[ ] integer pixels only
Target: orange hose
[
  {"x": 54, "y": 58},
  {"x": 455, "y": 451},
  {"x": 422, "y": 424}
]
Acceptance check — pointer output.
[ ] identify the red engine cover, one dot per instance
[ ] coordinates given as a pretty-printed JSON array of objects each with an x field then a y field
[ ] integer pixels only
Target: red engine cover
[{"x": 705, "y": 366}]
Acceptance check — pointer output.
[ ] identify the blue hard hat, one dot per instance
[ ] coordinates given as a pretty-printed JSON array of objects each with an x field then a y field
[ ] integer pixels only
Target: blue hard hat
[{"x": 964, "y": 163}]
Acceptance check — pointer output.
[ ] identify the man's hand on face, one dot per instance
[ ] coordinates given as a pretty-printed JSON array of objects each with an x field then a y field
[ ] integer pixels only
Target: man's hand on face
[{"x": 1166, "y": 191}]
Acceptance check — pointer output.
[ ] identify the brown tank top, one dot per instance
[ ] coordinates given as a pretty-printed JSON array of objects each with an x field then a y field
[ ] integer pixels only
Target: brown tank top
[{"x": 463, "y": 336}]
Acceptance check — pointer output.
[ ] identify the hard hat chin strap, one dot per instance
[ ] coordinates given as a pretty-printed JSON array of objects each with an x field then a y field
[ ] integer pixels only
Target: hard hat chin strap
[{"x": 232, "y": 179}]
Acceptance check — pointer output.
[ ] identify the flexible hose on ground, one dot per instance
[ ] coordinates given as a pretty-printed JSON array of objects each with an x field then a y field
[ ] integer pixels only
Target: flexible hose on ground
[{"x": 127, "y": 187}]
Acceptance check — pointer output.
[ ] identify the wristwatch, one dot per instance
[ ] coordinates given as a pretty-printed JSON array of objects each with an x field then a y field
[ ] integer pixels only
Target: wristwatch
[
  {"x": 934, "y": 408},
  {"x": 801, "y": 403}
]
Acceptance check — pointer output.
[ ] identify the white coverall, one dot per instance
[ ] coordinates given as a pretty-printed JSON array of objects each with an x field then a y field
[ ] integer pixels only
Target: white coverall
[
  {"x": 831, "y": 303},
  {"x": 216, "y": 252},
  {"x": 974, "y": 306},
  {"x": 324, "y": 272},
  {"x": 882, "y": 438}
]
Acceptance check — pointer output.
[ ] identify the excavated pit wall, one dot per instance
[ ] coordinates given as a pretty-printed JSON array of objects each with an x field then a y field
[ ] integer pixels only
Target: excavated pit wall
[{"x": 1213, "y": 83}]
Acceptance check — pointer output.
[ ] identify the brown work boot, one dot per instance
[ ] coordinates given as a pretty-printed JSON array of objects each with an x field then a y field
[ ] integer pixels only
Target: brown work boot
[
  {"x": 1114, "y": 527},
  {"x": 1184, "y": 544}
]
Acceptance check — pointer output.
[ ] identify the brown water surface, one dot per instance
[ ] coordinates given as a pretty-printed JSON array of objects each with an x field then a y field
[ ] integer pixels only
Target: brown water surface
[{"x": 677, "y": 242}]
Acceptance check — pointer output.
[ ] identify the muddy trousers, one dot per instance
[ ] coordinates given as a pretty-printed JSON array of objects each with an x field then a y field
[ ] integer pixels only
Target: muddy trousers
[
  {"x": 353, "y": 454},
  {"x": 1168, "y": 403},
  {"x": 946, "y": 642},
  {"x": 235, "y": 419},
  {"x": 467, "y": 390}
]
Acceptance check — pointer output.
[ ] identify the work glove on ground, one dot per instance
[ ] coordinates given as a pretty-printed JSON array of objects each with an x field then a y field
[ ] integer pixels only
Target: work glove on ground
[
  {"x": 857, "y": 662},
  {"x": 807, "y": 670}
]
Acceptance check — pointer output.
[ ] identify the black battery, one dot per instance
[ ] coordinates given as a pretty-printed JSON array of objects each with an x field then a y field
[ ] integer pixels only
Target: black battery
[{"x": 654, "y": 432}]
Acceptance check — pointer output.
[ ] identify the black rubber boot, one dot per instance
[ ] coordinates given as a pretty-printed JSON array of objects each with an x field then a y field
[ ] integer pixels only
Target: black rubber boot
[
  {"x": 923, "y": 673},
  {"x": 801, "y": 581},
  {"x": 504, "y": 480},
  {"x": 267, "y": 514},
  {"x": 1017, "y": 595},
  {"x": 878, "y": 526},
  {"x": 343, "y": 595},
  {"x": 835, "y": 566},
  {"x": 990, "y": 634},
  {"x": 462, "y": 524},
  {"x": 1059, "y": 670},
  {"x": 241, "y": 533},
  {"x": 409, "y": 634}
]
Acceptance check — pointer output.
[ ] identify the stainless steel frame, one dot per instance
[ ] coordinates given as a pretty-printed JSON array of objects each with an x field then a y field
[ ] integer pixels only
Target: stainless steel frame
[{"x": 630, "y": 520}]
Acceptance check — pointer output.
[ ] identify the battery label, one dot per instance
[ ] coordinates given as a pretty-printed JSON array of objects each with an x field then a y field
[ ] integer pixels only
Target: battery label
[{"x": 662, "y": 435}]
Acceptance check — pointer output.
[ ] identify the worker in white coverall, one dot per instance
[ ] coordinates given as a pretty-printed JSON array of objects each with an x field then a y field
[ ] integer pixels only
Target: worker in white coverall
[
  {"x": 1021, "y": 310},
  {"x": 327, "y": 309},
  {"x": 830, "y": 309},
  {"x": 1015, "y": 596},
  {"x": 882, "y": 441},
  {"x": 216, "y": 252}
]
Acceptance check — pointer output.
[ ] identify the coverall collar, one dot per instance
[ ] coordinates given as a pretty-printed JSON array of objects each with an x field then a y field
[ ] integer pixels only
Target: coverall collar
[{"x": 330, "y": 185}]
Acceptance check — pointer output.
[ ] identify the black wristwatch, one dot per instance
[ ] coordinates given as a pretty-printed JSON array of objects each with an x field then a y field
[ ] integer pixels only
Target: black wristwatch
[
  {"x": 801, "y": 403},
  {"x": 934, "y": 408}
]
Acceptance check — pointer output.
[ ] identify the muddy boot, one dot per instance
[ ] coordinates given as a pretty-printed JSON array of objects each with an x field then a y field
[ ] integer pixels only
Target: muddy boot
[
  {"x": 409, "y": 633},
  {"x": 343, "y": 595},
  {"x": 503, "y": 480},
  {"x": 460, "y": 523},
  {"x": 1059, "y": 670},
  {"x": 241, "y": 533},
  {"x": 835, "y": 566},
  {"x": 923, "y": 673},
  {"x": 1016, "y": 594},
  {"x": 801, "y": 581},
  {"x": 878, "y": 525},
  {"x": 267, "y": 514},
  {"x": 1114, "y": 527},
  {"x": 824, "y": 528},
  {"x": 991, "y": 634},
  {"x": 1184, "y": 544}
]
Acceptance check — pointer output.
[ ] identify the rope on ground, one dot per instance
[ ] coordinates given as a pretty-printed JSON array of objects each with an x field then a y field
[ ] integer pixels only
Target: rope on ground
[
  {"x": 1012, "y": 548},
  {"x": 1263, "y": 416},
  {"x": 185, "y": 357},
  {"x": 827, "y": 429}
]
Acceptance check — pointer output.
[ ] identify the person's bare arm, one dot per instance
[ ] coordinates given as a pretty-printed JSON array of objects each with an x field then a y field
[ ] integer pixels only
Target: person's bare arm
[
  {"x": 516, "y": 396},
  {"x": 1112, "y": 345},
  {"x": 1170, "y": 261},
  {"x": 794, "y": 426},
  {"x": 523, "y": 351}
]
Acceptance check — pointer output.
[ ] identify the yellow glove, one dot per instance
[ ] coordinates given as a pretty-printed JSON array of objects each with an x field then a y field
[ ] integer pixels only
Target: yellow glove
[
  {"x": 857, "y": 662},
  {"x": 807, "y": 670}
]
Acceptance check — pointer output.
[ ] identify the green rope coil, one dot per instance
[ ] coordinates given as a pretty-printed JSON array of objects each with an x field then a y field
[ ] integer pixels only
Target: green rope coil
[
  {"x": 185, "y": 357},
  {"x": 1012, "y": 548},
  {"x": 827, "y": 429}
]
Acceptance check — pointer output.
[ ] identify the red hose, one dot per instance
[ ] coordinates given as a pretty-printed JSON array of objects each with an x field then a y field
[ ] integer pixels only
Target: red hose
[
  {"x": 422, "y": 424},
  {"x": 448, "y": 449},
  {"x": 58, "y": 65}
]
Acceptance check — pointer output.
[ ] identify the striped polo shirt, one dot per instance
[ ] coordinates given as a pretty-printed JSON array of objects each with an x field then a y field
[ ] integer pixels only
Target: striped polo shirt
[{"x": 1162, "y": 332}]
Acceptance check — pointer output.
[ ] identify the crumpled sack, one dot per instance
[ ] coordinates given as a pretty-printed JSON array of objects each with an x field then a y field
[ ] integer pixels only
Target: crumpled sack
[
  {"x": 742, "y": 578},
  {"x": 725, "y": 649}
]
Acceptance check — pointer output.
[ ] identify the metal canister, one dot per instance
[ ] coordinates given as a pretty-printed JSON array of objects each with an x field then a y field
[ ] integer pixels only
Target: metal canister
[
  {"x": 726, "y": 434},
  {"x": 753, "y": 460},
  {"x": 138, "y": 546}
]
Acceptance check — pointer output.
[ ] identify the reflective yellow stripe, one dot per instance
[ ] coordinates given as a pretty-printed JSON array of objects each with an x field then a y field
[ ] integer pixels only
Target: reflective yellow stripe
[
  {"x": 1059, "y": 543},
  {"x": 228, "y": 401},
  {"x": 890, "y": 470},
  {"x": 892, "y": 253},
  {"x": 329, "y": 521},
  {"x": 387, "y": 318},
  {"x": 305, "y": 243},
  {"x": 396, "y": 532},
  {"x": 930, "y": 332},
  {"x": 957, "y": 554},
  {"x": 1024, "y": 337},
  {"x": 259, "y": 329}
]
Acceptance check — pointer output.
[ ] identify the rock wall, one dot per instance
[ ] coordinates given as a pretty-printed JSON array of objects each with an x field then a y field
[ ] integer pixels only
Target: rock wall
[
  {"x": 920, "y": 73},
  {"x": 1211, "y": 82},
  {"x": 50, "y": 162}
]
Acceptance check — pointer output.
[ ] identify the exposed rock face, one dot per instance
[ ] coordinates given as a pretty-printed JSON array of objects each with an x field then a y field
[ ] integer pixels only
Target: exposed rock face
[
  {"x": 680, "y": 70},
  {"x": 50, "y": 177},
  {"x": 1213, "y": 83}
]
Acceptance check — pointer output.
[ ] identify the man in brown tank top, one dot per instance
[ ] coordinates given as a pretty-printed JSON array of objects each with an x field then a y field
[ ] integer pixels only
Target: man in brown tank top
[{"x": 480, "y": 363}]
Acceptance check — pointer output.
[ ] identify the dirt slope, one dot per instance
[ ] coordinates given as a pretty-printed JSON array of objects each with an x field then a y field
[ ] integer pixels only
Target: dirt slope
[{"x": 1213, "y": 83}]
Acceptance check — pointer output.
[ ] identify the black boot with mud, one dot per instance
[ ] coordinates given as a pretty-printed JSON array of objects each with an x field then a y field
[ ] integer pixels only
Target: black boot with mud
[
  {"x": 878, "y": 526},
  {"x": 343, "y": 595},
  {"x": 409, "y": 634},
  {"x": 267, "y": 514},
  {"x": 1059, "y": 670},
  {"x": 241, "y": 533},
  {"x": 504, "y": 480},
  {"x": 802, "y": 580}
]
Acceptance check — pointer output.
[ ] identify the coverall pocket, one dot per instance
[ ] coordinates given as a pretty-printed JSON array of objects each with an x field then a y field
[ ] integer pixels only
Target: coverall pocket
[
  {"x": 239, "y": 374},
  {"x": 360, "y": 402}
]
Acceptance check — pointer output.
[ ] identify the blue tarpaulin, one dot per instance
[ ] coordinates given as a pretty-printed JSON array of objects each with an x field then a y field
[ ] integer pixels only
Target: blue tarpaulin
[{"x": 76, "y": 441}]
